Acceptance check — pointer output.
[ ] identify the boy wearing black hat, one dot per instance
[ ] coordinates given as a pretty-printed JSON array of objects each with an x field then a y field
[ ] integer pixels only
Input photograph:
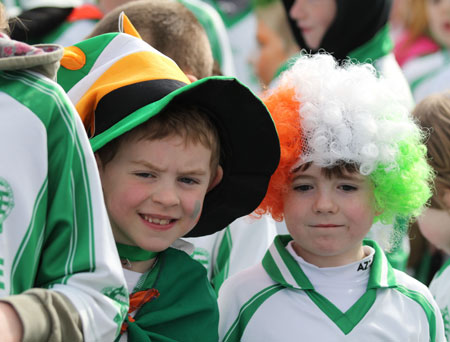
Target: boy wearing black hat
[{"x": 175, "y": 160}]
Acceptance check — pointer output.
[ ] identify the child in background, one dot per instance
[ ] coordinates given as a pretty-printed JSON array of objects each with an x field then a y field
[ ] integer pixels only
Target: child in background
[
  {"x": 433, "y": 113},
  {"x": 355, "y": 29},
  {"x": 166, "y": 149},
  {"x": 59, "y": 276},
  {"x": 173, "y": 30},
  {"x": 423, "y": 49},
  {"x": 351, "y": 155},
  {"x": 275, "y": 40},
  {"x": 209, "y": 19},
  {"x": 170, "y": 28}
]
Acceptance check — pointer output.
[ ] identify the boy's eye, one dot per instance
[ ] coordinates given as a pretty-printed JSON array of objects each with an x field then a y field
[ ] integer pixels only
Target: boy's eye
[
  {"x": 144, "y": 175},
  {"x": 348, "y": 188},
  {"x": 303, "y": 187},
  {"x": 188, "y": 180}
]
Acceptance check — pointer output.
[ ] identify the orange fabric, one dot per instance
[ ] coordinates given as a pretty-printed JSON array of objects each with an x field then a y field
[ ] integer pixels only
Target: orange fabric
[
  {"x": 128, "y": 26},
  {"x": 86, "y": 11},
  {"x": 137, "y": 300},
  {"x": 137, "y": 67},
  {"x": 284, "y": 109},
  {"x": 73, "y": 58}
]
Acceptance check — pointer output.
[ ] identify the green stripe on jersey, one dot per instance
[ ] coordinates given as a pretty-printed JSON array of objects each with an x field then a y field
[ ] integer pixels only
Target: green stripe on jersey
[
  {"x": 222, "y": 264},
  {"x": 350, "y": 319},
  {"x": 426, "y": 306},
  {"x": 65, "y": 204},
  {"x": 236, "y": 330}
]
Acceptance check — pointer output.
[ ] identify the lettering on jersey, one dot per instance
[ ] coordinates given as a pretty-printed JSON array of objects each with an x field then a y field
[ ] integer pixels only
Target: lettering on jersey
[
  {"x": 363, "y": 266},
  {"x": 202, "y": 256},
  {"x": 6, "y": 201}
]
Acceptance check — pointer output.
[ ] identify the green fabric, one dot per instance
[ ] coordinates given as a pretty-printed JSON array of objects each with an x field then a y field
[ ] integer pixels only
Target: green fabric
[
  {"x": 186, "y": 309},
  {"x": 222, "y": 264},
  {"x": 134, "y": 253},
  {"x": 58, "y": 197},
  {"x": 415, "y": 83},
  {"x": 143, "y": 114},
  {"x": 234, "y": 334},
  {"x": 426, "y": 306},
  {"x": 380, "y": 45},
  {"x": 422, "y": 273},
  {"x": 68, "y": 78},
  {"x": 350, "y": 319},
  {"x": 381, "y": 276},
  {"x": 442, "y": 269}
]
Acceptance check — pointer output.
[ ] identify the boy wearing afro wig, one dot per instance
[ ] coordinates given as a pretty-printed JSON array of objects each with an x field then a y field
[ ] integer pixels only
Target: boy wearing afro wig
[{"x": 350, "y": 155}]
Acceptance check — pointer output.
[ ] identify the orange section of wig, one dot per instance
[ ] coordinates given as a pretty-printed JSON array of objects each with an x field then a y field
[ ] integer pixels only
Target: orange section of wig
[{"x": 285, "y": 113}]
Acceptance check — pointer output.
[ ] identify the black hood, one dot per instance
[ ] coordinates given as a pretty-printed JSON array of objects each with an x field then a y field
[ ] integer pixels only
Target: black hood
[{"x": 356, "y": 22}]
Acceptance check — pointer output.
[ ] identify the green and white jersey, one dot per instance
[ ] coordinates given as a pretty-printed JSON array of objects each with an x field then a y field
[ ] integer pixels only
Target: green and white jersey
[
  {"x": 277, "y": 301},
  {"x": 240, "y": 245},
  {"x": 54, "y": 230},
  {"x": 240, "y": 21},
  {"x": 428, "y": 74},
  {"x": 440, "y": 289}
]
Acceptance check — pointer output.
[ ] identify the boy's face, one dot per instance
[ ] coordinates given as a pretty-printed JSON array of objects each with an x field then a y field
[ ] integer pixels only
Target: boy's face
[
  {"x": 438, "y": 14},
  {"x": 329, "y": 217},
  {"x": 434, "y": 224},
  {"x": 313, "y": 18},
  {"x": 271, "y": 53},
  {"x": 154, "y": 190}
]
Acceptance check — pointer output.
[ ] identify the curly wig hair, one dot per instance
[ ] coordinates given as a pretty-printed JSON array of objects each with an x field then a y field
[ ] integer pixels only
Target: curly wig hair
[{"x": 333, "y": 115}]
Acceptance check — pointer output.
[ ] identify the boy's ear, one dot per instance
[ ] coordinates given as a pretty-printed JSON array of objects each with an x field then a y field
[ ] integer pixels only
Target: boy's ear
[
  {"x": 217, "y": 178},
  {"x": 191, "y": 77}
]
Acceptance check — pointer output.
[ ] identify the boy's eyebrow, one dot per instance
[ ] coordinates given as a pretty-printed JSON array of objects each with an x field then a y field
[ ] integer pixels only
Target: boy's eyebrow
[
  {"x": 147, "y": 164},
  {"x": 199, "y": 172},
  {"x": 350, "y": 177}
]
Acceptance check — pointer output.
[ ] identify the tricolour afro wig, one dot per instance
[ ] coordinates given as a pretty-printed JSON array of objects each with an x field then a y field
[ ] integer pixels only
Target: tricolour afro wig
[{"x": 332, "y": 115}]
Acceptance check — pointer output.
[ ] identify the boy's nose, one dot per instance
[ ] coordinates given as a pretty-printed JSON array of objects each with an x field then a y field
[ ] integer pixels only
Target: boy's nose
[
  {"x": 166, "y": 196},
  {"x": 297, "y": 10},
  {"x": 324, "y": 204}
]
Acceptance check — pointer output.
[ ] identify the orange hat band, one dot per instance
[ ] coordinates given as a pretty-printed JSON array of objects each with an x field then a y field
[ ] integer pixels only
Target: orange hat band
[{"x": 112, "y": 108}]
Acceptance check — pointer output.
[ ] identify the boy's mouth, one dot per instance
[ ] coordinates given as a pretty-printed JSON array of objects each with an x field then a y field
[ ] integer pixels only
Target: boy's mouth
[
  {"x": 156, "y": 220},
  {"x": 327, "y": 225}
]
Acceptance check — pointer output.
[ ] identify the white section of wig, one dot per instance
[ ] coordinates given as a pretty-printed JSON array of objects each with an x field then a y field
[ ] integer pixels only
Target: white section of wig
[{"x": 348, "y": 114}]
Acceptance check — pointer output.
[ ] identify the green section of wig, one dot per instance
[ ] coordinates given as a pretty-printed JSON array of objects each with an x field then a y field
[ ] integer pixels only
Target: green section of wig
[{"x": 406, "y": 188}]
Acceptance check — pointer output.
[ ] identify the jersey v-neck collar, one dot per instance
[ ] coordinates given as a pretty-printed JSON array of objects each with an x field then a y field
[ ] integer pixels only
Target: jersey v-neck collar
[{"x": 285, "y": 270}]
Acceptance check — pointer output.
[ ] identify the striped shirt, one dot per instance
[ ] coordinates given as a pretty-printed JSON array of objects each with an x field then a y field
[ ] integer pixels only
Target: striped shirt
[
  {"x": 276, "y": 301},
  {"x": 54, "y": 230}
]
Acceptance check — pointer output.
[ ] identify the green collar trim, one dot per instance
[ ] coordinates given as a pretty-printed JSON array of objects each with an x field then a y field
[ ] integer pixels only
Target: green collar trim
[
  {"x": 443, "y": 268},
  {"x": 284, "y": 269},
  {"x": 379, "y": 46},
  {"x": 134, "y": 253}
]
